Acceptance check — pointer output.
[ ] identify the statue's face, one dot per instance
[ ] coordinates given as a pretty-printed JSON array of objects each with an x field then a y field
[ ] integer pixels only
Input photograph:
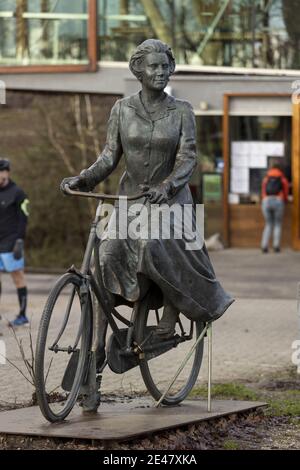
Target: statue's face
[{"x": 156, "y": 71}]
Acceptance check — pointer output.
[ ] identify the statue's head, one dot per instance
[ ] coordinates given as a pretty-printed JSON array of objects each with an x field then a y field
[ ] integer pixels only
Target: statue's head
[{"x": 151, "y": 59}]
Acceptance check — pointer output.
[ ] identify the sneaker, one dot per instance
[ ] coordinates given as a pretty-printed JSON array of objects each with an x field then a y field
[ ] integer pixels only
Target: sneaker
[
  {"x": 264, "y": 250},
  {"x": 21, "y": 320},
  {"x": 276, "y": 249}
]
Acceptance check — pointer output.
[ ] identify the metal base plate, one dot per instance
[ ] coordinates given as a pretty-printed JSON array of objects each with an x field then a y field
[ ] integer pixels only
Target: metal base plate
[{"x": 120, "y": 421}]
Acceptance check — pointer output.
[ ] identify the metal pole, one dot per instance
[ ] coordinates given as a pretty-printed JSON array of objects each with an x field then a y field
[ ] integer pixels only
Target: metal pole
[
  {"x": 209, "y": 337},
  {"x": 183, "y": 364}
]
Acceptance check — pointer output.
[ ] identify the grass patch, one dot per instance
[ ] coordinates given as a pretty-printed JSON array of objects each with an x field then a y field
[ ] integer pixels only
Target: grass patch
[
  {"x": 287, "y": 404},
  {"x": 230, "y": 444},
  {"x": 280, "y": 403},
  {"x": 232, "y": 390}
]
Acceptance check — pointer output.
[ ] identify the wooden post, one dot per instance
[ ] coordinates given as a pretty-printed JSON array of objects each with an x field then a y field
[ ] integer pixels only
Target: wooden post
[
  {"x": 226, "y": 158},
  {"x": 296, "y": 175},
  {"x": 21, "y": 30},
  {"x": 93, "y": 35}
]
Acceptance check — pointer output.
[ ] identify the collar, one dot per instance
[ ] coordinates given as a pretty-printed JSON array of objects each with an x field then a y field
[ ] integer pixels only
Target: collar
[{"x": 167, "y": 105}]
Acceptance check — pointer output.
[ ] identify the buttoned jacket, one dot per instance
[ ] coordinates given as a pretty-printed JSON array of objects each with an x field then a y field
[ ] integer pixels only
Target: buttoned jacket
[{"x": 157, "y": 149}]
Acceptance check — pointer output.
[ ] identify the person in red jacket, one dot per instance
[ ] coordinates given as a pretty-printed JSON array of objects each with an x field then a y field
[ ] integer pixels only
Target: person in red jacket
[{"x": 275, "y": 189}]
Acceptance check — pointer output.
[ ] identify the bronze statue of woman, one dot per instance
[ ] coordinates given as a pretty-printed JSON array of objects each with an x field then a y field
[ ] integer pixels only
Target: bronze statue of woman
[{"x": 155, "y": 134}]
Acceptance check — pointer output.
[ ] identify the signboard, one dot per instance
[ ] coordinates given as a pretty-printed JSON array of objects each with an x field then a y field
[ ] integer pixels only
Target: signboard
[{"x": 211, "y": 187}]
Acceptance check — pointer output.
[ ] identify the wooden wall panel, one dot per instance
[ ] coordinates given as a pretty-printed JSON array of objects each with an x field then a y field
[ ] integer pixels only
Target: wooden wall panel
[
  {"x": 247, "y": 223},
  {"x": 296, "y": 175}
]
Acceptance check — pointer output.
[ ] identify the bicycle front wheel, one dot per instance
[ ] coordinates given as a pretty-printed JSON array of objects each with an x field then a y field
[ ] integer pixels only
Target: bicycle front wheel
[
  {"x": 158, "y": 371},
  {"x": 62, "y": 348}
]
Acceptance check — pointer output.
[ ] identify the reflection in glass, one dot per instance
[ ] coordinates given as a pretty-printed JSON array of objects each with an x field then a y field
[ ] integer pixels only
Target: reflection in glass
[
  {"x": 43, "y": 32},
  {"x": 207, "y": 180},
  {"x": 237, "y": 33}
]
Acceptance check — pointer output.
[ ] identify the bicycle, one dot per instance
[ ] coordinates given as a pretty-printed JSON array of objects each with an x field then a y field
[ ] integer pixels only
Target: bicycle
[{"x": 133, "y": 345}]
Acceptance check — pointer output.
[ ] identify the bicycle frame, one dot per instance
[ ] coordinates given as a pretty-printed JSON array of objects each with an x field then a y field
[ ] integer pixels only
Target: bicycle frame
[
  {"x": 92, "y": 284},
  {"x": 128, "y": 347}
]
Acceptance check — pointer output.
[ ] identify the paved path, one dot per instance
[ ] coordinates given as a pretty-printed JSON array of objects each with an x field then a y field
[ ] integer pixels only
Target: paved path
[{"x": 252, "y": 339}]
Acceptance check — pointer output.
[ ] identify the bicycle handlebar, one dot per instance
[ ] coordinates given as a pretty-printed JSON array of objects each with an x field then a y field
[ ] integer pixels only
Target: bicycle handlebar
[{"x": 113, "y": 197}]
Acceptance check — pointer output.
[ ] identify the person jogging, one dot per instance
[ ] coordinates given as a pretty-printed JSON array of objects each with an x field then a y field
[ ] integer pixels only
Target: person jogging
[{"x": 13, "y": 222}]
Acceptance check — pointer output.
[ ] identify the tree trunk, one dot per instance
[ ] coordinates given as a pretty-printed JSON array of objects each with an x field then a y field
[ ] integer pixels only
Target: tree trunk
[
  {"x": 212, "y": 49},
  {"x": 291, "y": 15},
  {"x": 124, "y": 9},
  {"x": 157, "y": 21},
  {"x": 45, "y": 29},
  {"x": 21, "y": 30}
]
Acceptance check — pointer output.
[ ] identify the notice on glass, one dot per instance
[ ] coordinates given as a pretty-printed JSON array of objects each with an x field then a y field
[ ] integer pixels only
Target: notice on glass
[
  {"x": 239, "y": 161},
  {"x": 257, "y": 160},
  {"x": 239, "y": 180},
  {"x": 254, "y": 154},
  {"x": 246, "y": 155},
  {"x": 275, "y": 149}
]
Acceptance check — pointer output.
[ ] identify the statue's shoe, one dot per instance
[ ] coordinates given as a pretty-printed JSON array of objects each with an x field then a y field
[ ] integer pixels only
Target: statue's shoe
[{"x": 165, "y": 329}]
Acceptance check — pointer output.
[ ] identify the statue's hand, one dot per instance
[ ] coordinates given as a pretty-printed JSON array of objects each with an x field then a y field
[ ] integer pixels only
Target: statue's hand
[
  {"x": 77, "y": 183},
  {"x": 158, "y": 194}
]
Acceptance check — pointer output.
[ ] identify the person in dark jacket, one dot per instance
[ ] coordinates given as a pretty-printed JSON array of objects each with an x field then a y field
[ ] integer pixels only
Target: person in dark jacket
[
  {"x": 275, "y": 190},
  {"x": 13, "y": 222}
]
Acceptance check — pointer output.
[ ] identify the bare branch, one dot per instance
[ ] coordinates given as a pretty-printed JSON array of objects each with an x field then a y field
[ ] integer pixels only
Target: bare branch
[
  {"x": 29, "y": 367},
  {"x": 22, "y": 352},
  {"x": 17, "y": 368},
  {"x": 31, "y": 350},
  {"x": 59, "y": 149},
  {"x": 91, "y": 124},
  {"x": 79, "y": 128}
]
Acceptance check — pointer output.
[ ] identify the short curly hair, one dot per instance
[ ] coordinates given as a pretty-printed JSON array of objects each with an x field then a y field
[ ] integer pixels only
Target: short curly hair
[{"x": 150, "y": 45}]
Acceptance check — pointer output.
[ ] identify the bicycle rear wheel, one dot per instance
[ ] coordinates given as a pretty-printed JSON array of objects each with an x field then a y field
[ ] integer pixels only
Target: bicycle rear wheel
[
  {"x": 62, "y": 348},
  {"x": 157, "y": 372}
]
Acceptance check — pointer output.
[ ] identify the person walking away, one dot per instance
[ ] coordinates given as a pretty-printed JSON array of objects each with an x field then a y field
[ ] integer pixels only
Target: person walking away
[
  {"x": 275, "y": 189},
  {"x": 13, "y": 222}
]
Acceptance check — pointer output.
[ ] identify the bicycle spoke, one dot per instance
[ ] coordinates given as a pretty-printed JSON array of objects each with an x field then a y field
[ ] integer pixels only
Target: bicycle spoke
[
  {"x": 66, "y": 318},
  {"x": 49, "y": 367},
  {"x": 181, "y": 327},
  {"x": 160, "y": 359},
  {"x": 80, "y": 328}
]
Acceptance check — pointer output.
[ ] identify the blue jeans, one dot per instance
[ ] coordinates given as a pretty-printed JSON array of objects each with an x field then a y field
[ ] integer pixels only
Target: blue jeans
[{"x": 273, "y": 210}]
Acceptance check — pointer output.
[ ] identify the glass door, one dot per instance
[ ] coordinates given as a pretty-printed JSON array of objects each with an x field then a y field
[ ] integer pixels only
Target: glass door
[{"x": 257, "y": 143}]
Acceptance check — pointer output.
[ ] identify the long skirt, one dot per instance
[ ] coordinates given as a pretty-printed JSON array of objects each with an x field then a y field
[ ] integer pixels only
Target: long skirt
[{"x": 144, "y": 258}]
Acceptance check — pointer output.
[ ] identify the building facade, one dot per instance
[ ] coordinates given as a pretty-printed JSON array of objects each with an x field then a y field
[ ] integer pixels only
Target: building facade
[{"x": 238, "y": 64}]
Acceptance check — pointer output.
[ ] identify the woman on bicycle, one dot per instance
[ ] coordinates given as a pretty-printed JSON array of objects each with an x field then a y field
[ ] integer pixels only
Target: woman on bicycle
[{"x": 155, "y": 133}]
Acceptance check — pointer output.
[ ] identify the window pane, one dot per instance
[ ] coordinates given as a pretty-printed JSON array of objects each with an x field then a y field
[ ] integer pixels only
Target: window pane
[
  {"x": 207, "y": 180},
  {"x": 46, "y": 32},
  {"x": 239, "y": 33}
]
